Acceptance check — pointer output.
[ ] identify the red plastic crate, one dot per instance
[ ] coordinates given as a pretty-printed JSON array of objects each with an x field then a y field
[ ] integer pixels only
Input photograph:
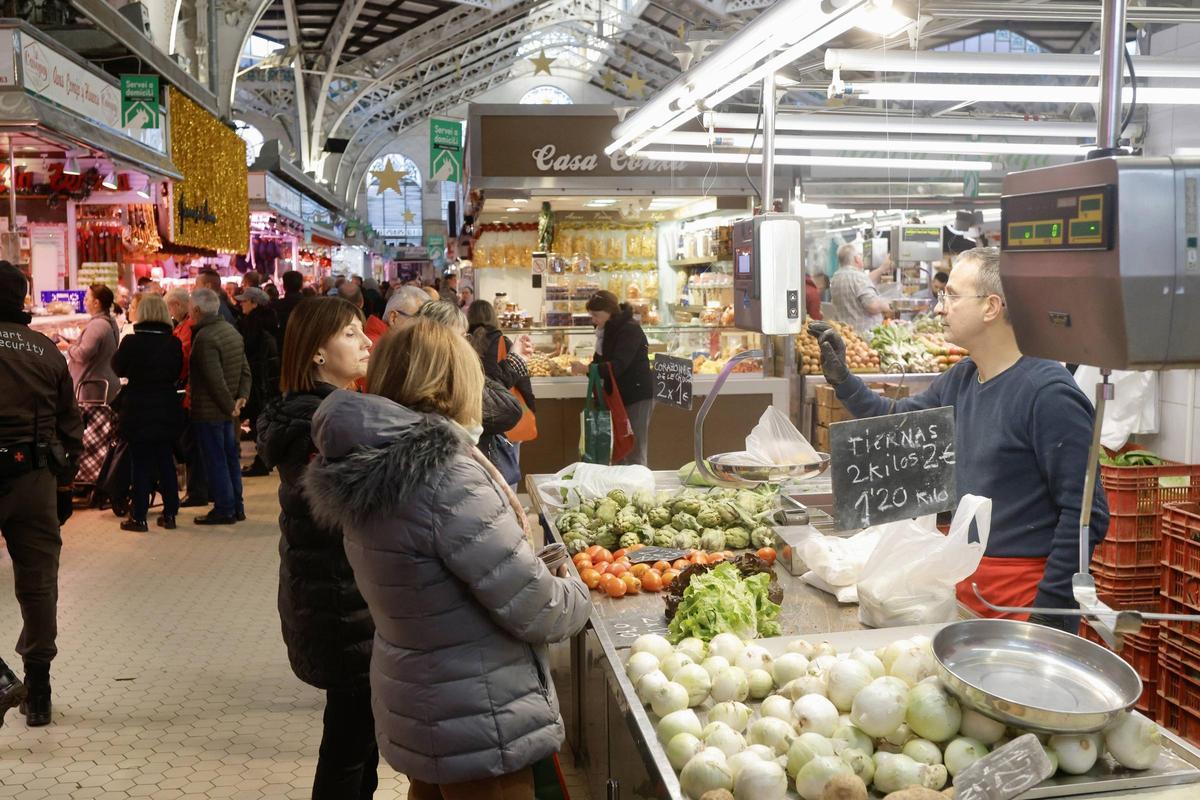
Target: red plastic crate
[
  {"x": 1178, "y": 685},
  {"x": 1177, "y": 719},
  {"x": 1189, "y": 631},
  {"x": 1140, "y": 650},
  {"x": 1131, "y": 554},
  {"x": 1181, "y": 586},
  {"x": 1138, "y": 490},
  {"x": 1132, "y": 527},
  {"x": 1180, "y": 528},
  {"x": 1126, "y": 599}
]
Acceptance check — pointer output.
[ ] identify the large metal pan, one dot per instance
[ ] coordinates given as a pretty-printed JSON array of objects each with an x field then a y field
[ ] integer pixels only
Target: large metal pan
[{"x": 1034, "y": 677}]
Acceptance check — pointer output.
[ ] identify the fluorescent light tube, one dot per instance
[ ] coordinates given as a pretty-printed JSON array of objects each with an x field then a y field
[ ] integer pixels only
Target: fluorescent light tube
[
  {"x": 823, "y": 161},
  {"x": 899, "y": 145},
  {"x": 1016, "y": 93},
  {"x": 898, "y": 123},
  {"x": 929, "y": 61},
  {"x": 786, "y": 24}
]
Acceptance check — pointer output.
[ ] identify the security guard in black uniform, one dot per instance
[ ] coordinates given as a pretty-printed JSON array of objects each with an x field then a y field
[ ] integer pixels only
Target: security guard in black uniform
[{"x": 41, "y": 438}]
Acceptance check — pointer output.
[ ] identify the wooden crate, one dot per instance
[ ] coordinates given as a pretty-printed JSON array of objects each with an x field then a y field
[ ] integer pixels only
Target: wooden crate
[
  {"x": 827, "y": 415},
  {"x": 821, "y": 438}
]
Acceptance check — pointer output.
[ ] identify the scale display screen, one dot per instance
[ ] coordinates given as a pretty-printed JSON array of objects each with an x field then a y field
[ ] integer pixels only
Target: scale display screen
[{"x": 1064, "y": 219}]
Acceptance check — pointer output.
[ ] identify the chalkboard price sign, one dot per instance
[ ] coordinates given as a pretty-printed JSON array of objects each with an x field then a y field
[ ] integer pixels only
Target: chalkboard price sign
[
  {"x": 673, "y": 381},
  {"x": 894, "y": 467}
]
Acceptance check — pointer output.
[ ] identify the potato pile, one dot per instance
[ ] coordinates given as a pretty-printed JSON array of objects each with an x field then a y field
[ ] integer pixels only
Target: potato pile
[
  {"x": 539, "y": 366},
  {"x": 859, "y": 355}
]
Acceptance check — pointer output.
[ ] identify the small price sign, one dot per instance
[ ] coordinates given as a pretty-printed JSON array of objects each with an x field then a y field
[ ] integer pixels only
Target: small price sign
[
  {"x": 673, "y": 381},
  {"x": 894, "y": 467}
]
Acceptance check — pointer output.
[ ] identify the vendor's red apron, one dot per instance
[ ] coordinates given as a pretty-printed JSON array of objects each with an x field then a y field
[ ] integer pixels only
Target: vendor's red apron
[{"x": 1004, "y": 582}]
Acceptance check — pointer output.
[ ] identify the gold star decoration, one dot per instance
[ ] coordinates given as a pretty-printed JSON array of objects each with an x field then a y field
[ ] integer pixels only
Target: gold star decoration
[
  {"x": 635, "y": 85},
  {"x": 409, "y": 216},
  {"x": 608, "y": 80},
  {"x": 682, "y": 31},
  {"x": 542, "y": 63},
  {"x": 389, "y": 178}
]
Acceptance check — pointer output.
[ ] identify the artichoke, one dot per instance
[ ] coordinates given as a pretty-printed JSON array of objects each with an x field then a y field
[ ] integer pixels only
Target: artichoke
[
  {"x": 727, "y": 511},
  {"x": 762, "y": 536},
  {"x": 606, "y": 537},
  {"x": 751, "y": 502},
  {"x": 686, "y": 505},
  {"x": 712, "y": 540},
  {"x": 607, "y": 510},
  {"x": 709, "y": 518},
  {"x": 646, "y": 534},
  {"x": 686, "y": 539},
  {"x": 665, "y": 537},
  {"x": 628, "y": 540},
  {"x": 619, "y": 497},
  {"x": 663, "y": 498},
  {"x": 737, "y": 537},
  {"x": 576, "y": 546},
  {"x": 587, "y": 508},
  {"x": 643, "y": 500},
  {"x": 628, "y": 520},
  {"x": 659, "y": 516},
  {"x": 684, "y": 520}
]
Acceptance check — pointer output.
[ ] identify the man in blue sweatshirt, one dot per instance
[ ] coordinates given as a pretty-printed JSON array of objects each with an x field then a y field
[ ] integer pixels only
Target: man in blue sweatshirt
[{"x": 1022, "y": 431}]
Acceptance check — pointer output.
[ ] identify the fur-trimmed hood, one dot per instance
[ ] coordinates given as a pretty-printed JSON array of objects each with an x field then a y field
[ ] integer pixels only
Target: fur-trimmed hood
[{"x": 372, "y": 454}]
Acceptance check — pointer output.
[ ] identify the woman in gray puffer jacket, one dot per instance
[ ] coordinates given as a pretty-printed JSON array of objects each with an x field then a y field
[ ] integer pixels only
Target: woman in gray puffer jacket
[{"x": 463, "y": 608}]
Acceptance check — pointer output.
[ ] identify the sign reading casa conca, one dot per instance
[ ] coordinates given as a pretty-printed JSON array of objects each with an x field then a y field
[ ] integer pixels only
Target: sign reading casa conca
[{"x": 525, "y": 144}]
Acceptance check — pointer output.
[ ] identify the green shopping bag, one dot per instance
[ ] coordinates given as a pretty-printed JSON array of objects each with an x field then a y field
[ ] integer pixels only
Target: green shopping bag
[{"x": 595, "y": 423}]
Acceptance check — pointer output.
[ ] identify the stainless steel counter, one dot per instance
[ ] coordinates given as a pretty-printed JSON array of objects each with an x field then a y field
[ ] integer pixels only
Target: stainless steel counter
[{"x": 612, "y": 736}]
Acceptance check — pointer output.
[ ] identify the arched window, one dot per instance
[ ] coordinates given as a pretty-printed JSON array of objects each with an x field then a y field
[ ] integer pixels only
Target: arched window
[
  {"x": 998, "y": 41},
  {"x": 253, "y": 138},
  {"x": 393, "y": 185},
  {"x": 546, "y": 96}
]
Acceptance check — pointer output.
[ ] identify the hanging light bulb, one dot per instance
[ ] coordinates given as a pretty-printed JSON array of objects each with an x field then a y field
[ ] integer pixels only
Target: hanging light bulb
[
  {"x": 110, "y": 181},
  {"x": 144, "y": 192},
  {"x": 71, "y": 167}
]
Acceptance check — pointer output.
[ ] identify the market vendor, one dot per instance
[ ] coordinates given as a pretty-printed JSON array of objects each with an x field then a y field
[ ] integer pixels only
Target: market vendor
[{"x": 1023, "y": 428}]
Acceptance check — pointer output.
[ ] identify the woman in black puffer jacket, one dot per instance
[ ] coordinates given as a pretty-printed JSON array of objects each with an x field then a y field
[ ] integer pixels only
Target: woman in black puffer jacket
[{"x": 326, "y": 625}]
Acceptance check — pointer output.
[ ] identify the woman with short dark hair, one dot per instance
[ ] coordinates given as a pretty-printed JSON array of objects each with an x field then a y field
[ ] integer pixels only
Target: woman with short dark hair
[{"x": 621, "y": 343}]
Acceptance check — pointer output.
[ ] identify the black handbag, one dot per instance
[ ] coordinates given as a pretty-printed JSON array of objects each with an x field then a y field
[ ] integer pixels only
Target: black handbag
[{"x": 503, "y": 455}]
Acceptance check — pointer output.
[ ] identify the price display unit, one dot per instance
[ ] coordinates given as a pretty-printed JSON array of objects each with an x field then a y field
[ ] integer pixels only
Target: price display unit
[
  {"x": 1100, "y": 261},
  {"x": 768, "y": 274}
]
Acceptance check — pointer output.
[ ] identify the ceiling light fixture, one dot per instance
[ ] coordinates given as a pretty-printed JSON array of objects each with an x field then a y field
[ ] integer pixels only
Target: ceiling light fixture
[
  {"x": 601, "y": 202},
  {"x": 793, "y": 26},
  {"x": 512, "y": 209},
  {"x": 71, "y": 167},
  {"x": 899, "y": 145},
  {"x": 876, "y": 123},
  {"x": 931, "y": 61},
  {"x": 884, "y": 20},
  {"x": 822, "y": 161},
  {"x": 1013, "y": 93},
  {"x": 110, "y": 181}
]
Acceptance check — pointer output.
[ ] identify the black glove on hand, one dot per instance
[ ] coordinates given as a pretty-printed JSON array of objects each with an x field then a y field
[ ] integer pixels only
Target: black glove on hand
[
  {"x": 66, "y": 505},
  {"x": 833, "y": 352}
]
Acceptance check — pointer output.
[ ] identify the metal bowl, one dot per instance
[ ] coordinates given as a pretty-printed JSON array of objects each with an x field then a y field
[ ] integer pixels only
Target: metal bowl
[
  {"x": 726, "y": 466},
  {"x": 1034, "y": 677}
]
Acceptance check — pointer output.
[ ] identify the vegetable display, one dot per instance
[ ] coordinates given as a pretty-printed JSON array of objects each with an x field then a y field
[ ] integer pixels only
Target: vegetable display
[
  {"x": 714, "y": 520},
  {"x": 1132, "y": 458},
  {"x": 904, "y": 732},
  {"x": 916, "y": 347}
]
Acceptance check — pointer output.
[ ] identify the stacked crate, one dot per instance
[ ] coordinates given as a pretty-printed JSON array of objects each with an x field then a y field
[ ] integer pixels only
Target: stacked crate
[
  {"x": 1179, "y": 647},
  {"x": 828, "y": 409},
  {"x": 1127, "y": 565}
]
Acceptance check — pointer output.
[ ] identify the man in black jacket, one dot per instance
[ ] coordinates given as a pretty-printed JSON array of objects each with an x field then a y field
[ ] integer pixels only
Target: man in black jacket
[
  {"x": 260, "y": 331},
  {"x": 41, "y": 439}
]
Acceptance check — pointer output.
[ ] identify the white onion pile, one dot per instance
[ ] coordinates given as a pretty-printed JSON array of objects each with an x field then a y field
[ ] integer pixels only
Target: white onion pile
[{"x": 883, "y": 717}]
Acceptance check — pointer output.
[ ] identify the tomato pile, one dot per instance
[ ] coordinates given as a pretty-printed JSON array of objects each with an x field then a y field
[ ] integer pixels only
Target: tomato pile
[{"x": 613, "y": 574}]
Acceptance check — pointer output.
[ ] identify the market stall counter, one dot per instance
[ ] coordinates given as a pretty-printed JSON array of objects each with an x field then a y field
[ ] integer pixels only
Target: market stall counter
[{"x": 613, "y": 737}]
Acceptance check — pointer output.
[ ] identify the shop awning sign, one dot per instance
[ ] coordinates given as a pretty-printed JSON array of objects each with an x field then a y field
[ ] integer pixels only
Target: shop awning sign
[
  {"x": 445, "y": 150},
  {"x": 139, "y": 101},
  {"x": 436, "y": 245}
]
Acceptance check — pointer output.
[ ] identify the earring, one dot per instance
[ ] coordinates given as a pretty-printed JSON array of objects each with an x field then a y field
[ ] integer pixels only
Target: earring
[{"x": 320, "y": 360}]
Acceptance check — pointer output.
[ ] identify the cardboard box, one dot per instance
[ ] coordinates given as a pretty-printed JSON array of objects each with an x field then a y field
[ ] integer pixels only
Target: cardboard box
[{"x": 821, "y": 438}]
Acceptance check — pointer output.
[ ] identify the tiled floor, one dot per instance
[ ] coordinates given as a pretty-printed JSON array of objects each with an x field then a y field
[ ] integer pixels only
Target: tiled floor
[{"x": 171, "y": 679}]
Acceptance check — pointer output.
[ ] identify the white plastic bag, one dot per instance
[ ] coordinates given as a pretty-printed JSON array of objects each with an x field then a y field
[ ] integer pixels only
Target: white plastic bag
[
  {"x": 775, "y": 440},
  {"x": 910, "y": 578},
  {"x": 840, "y": 561},
  {"x": 1133, "y": 409},
  {"x": 578, "y": 482},
  {"x": 844, "y": 594}
]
